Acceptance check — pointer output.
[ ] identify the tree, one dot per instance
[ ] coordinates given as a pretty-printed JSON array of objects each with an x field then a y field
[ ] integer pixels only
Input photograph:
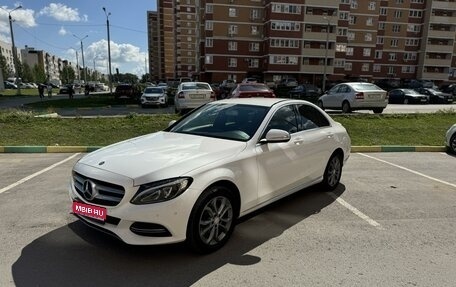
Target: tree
[
  {"x": 67, "y": 75},
  {"x": 39, "y": 74},
  {"x": 6, "y": 69},
  {"x": 145, "y": 78},
  {"x": 27, "y": 75}
]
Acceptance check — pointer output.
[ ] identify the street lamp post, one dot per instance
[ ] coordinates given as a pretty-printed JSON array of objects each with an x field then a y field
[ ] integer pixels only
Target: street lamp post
[
  {"x": 323, "y": 85},
  {"x": 82, "y": 52},
  {"x": 109, "y": 49},
  {"x": 15, "y": 59}
]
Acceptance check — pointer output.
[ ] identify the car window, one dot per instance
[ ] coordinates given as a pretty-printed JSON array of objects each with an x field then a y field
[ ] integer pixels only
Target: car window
[
  {"x": 310, "y": 118},
  {"x": 284, "y": 119},
  {"x": 365, "y": 87},
  {"x": 153, "y": 90},
  {"x": 227, "y": 121}
]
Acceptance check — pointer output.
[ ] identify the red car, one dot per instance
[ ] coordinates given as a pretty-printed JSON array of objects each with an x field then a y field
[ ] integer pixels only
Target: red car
[{"x": 252, "y": 90}]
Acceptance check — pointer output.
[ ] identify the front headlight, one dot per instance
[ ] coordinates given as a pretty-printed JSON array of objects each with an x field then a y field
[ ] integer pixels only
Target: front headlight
[{"x": 162, "y": 190}]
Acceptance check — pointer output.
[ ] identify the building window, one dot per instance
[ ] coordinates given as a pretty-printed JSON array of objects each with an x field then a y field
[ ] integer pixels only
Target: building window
[
  {"x": 254, "y": 30},
  {"x": 368, "y": 37},
  {"x": 376, "y": 68},
  {"x": 343, "y": 15},
  {"x": 254, "y": 14},
  {"x": 286, "y": 8},
  {"x": 366, "y": 52},
  {"x": 408, "y": 69},
  {"x": 412, "y": 42},
  {"x": 254, "y": 47},
  {"x": 209, "y": 42},
  {"x": 208, "y": 59},
  {"x": 209, "y": 9},
  {"x": 283, "y": 60},
  {"x": 232, "y": 12},
  {"x": 383, "y": 11},
  {"x": 232, "y": 46},
  {"x": 349, "y": 51},
  {"x": 209, "y": 25},
  {"x": 365, "y": 67},
  {"x": 253, "y": 63},
  {"x": 396, "y": 28},
  {"x": 371, "y": 5},
  {"x": 345, "y": 1},
  {"x": 285, "y": 26},
  {"x": 354, "y": 4},
  {"x": 232, "y": 30},
  {"x": 380, "y": 40},
  {"x": 352, "y": 20},
  {"x": 341, "y": 48},
  {"x": 232, "y": 62},
  {"x": 369, "y": 21},
  {"x": 394, "y": 42},
  {"x": 348, "y": 66},
  {"x": 339, "y": 63},
  {"x": 391, "y": 71},
  {"x": 342, "y": 31},
  {"x": 381, "y": 25},
  {"x": 399, "y": 1},
  {"x": 351, "y": 36},
  {"x": 397, "y": 14},
  {"x": 392, "y": 57},
  {"x": 413, "y": 28},
  {"x": 415, "y": 13},
  {"x": 378, "y": 54},
  {"x": 284, "y": 43}
]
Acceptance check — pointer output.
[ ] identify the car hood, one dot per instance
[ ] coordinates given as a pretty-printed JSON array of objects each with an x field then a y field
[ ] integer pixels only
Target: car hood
[{"x": 161, "y": 155}]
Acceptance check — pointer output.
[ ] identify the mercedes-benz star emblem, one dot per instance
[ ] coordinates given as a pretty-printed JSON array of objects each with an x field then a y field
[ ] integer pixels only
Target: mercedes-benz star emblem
[{"x": 89, "y": 190}]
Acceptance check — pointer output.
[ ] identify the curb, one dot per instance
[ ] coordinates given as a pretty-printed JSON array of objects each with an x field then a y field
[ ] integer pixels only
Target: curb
[{"x": 86, "y": 149}]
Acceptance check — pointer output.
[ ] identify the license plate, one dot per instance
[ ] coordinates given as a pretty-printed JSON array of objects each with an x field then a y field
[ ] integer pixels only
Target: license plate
[
  {"x": 197, "y": 97},
  {"x": 375, "y": 97},
  {"x": 88, "y": 210}
]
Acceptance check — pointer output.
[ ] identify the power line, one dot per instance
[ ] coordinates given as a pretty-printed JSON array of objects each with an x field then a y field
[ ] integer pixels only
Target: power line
[{"x": 39, "y": 40}]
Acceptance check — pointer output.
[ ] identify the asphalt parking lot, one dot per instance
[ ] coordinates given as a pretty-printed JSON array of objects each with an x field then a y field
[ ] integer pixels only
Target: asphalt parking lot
[{"x": 391, "y": 222}]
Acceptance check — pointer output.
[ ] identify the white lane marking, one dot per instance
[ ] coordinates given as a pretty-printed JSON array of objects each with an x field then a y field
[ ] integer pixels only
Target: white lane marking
[
  {"x": 358, "y": 213},
  {"x": 36, "y": 174},
  {"x": 409, "y": 170}
]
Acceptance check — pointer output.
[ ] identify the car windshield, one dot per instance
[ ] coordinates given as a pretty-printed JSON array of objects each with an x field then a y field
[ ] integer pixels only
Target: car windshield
[
  {"x": 227, "y": 121},
  {"x": 153, "y": 91},
  {"x": 365, "y": 87},
  {"x": 248, "y": 88},
  {"x": 196, "y": 86}
]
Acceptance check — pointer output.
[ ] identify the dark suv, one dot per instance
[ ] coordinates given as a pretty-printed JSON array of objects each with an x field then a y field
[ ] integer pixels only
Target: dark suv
[{"x": 127, "y": 90}]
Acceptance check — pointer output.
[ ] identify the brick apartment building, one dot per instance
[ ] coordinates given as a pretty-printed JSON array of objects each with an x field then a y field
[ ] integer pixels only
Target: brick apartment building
[{"x": 215, "y": 40}]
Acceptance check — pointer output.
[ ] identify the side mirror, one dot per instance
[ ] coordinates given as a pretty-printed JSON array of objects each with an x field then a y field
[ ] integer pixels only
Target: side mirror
[
  {"x": 171, "y": 123},
  {"x": 276, "y": 136}
]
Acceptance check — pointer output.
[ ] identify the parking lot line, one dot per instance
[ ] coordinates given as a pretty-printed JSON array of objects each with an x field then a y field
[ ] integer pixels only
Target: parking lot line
[
  {"x": 355, "y": 211},
  {"x": 36, "y": 174},
  {"x": 409, "y": 170}
]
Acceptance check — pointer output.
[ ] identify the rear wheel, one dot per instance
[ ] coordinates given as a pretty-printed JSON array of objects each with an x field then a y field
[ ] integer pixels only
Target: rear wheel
[
  {"x": 378, "y": 110},
  {"x": 333, "y": 172},
  {"x": 346, "y": 107},
  {"x": 406, "y": 101},
  {"x": 212, "y": 220},
  {"x": 453, "y": 143}
]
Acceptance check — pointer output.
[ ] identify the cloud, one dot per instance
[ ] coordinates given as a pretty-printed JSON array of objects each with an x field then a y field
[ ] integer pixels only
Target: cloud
[
  {"x": 61, "y": 12},
  {"x": 127, "y": 57},
  {"x": 23, "y": 17},
  {"x": 62, "y": 31}
]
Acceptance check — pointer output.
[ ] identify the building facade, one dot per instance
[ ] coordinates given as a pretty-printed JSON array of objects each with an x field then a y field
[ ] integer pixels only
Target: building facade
[
  {"x": 306, "y": 39},
  {"x": 6, "y": 51}
]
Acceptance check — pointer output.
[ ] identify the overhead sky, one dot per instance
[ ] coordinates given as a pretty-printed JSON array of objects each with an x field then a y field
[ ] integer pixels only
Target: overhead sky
[{"x": 52, "y": 26}]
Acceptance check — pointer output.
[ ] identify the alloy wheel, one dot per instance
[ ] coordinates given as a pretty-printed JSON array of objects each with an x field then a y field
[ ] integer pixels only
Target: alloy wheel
[{"x": 215, "y": 220}]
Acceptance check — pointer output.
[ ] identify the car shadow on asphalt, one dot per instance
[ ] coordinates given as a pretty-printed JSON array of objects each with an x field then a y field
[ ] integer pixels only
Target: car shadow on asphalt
[{"x": 76, "y": 255}]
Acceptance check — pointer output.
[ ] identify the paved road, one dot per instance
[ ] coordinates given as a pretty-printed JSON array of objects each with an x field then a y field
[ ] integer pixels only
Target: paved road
[
  {"x": 125, "y": 110},
  {"x": 391, "y": 223}
]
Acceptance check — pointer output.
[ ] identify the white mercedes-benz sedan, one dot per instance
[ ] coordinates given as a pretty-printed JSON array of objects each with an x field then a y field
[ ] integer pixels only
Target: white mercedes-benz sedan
[{"x": 191, "y": 181}]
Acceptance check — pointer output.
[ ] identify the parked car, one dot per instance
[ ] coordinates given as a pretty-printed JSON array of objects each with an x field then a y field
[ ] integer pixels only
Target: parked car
[
  {"x": 355, "y": 96},
  {"x": 9, "y": 85},
  {"x": 450, "y": 139},
  {"x": 448, "y": 88},
  {"x": 127, "y": 90},
  {"x": 190, "y": 95},
  {"x": 64, "y": 89},
  {"x": 250, "y": 80},
  {"x": 388, "y": 84},
  {"x": 435, "y": 96},
  {"x": 288, "y": 82},
  {"x": 154, "y": 96},
  {"x": 406, "y": 96},
  {"x": 192, "y": 181},
  {"x": 306, "y": 92},
  {"x": 225, "y": 89},
  {"x": 251, "y": 90}
]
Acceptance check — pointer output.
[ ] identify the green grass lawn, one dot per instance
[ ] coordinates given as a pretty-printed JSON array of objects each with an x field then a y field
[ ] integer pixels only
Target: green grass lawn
[
  {"x": 22, "y": 128},
  {"x": 25, "y": 92}
]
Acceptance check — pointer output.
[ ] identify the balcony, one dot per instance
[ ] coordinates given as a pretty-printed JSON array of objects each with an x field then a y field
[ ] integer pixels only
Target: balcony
[
  {"x": 442, "y": 19},
  {"x": 441, "y": 34},
  {"x": 444, "y": 5},
  {"x": 319, "y": 36},
  {"x": 323, "y": 3},
  {"x": 437, "y": 62},
  {"x": 317, "y": 53},
  {"x": 316, "y": 69},
  {"x": 321, "y": 19},
  {"x": 439, "y": 48},
  {"x": 435, "y": 76}
]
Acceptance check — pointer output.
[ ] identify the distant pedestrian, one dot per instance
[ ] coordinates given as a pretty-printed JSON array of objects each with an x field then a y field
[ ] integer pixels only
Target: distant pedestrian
[
  {"x": 70, "y": 91},
  {"x": 49, "y": 90},
  {"x": 41, "y": 91}
]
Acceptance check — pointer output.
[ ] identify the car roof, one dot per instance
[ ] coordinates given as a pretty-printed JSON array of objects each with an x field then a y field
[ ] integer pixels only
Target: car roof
[{"x": 266, "y": 102}]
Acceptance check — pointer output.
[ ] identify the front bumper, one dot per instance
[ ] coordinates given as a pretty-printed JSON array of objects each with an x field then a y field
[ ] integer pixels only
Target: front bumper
[
  {"x": 153, "y": 101},
  {"x": 139, "y": 224}
]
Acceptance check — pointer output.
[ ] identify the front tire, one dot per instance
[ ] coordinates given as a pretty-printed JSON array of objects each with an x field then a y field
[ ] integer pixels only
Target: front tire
[
  {"x": 452, "y": 143},
  {"x": 333, "y": 173},
  {"x": 212, "y": 220},
  {"x": 378, "y": 110},
  {"x": 346, "y": 107}
]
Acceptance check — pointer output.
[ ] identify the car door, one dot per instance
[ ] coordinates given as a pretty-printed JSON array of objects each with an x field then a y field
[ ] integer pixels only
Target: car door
[{"x": 330, "y": 99}]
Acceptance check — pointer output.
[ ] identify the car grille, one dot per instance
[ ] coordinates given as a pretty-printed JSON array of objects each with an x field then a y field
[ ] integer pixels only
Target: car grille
[{"x": 98, "y": 192}]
